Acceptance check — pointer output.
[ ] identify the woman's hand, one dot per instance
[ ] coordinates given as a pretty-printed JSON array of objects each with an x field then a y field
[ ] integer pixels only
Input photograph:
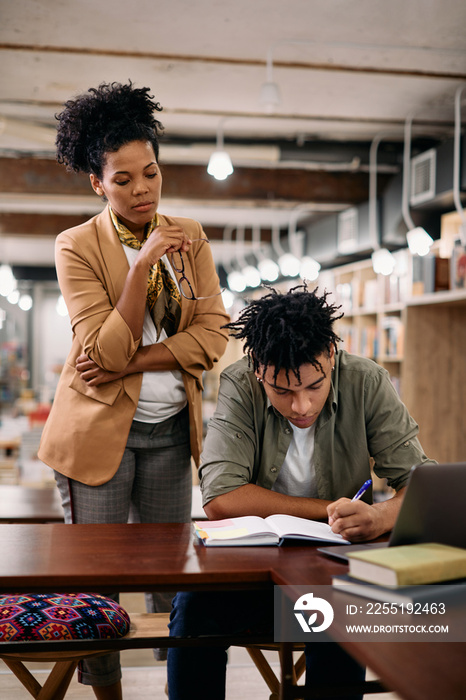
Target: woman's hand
[
  {"x": 162, "y": 240},
  {"x": 92, "y": 374}
]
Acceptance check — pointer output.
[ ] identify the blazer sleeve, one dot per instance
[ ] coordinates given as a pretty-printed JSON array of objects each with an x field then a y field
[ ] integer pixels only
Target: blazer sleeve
[
  {"x": 86, "y": 286},
  {"x": 202, "y": 340}
]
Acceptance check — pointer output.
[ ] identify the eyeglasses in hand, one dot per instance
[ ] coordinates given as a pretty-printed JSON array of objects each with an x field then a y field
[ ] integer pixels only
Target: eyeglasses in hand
[{"x": 186, "y": 289}]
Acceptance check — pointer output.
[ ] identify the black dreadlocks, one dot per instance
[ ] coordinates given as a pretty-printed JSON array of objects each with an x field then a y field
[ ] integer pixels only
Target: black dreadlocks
[{"x": 288, "y": 330}]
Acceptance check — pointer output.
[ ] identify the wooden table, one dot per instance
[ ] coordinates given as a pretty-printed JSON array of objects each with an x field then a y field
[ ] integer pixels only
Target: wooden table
[
  {"x": 138, "y": 557},
  {"x": 23, "y": 504},
  {"x": 415, "y": 670}
]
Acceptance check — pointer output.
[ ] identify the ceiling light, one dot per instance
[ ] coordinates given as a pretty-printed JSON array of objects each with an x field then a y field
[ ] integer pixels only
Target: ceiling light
[
  {"x": 309, "y": 268},
  {"x": 270, "y": 93},
  {"x": 7, "y": 280},
  {"x": 236, "y": 281},
  {"x": 13, "y": 297},
  {"x": 289, "y": 265},
  {"x": 25, "y": 302},
  {"x": 269, "y": 270},
  {"x": 383, "y": 261},
  {"x": 456, "y": 165},
  {"x": 251, "y": 276},
  {"x": 270, "y": 97},
  {"x": 61, "y": 306},
  {"x": 228, "y": 298},
  {"x": 220, "y": 165},
  {"x": 419, "y": 241}
]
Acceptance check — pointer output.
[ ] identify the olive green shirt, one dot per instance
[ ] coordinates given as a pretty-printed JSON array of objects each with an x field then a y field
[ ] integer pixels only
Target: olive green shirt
[{"x": 247, "y": 439}]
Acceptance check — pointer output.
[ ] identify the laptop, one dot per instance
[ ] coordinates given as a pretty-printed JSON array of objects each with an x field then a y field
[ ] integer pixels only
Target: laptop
[{"x": 432, "y": 511}]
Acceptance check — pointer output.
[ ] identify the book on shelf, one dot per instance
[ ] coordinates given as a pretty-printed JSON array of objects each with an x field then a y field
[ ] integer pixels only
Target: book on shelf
[
  {"x": 348, "y": 335},
  {"x": 393, "y": 336},
  {"x": 392, "y": 293},
  {"x": 371, "y": 294},
  {"x": 409, "y": 564},
  {"x": 344, "y": 296},
  {"x": 458, "y": 266},
  {"x": 402, "y": 595},
  {"x": 430, "y": 274},
  {"x": 423, "y": 274},
  {"x": 253, "y": 530},
  {"x": 402, "y": 288},
  {"x": 442, "y": 274},
  {"x": 369, "y": 341}
]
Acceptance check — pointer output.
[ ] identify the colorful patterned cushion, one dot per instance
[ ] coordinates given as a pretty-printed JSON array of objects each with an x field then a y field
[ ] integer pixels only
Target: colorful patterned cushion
[{"x": 55, "y": 616}]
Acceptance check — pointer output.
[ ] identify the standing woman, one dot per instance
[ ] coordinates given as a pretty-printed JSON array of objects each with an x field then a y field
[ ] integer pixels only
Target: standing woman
[{"x": 146, "y": 313}]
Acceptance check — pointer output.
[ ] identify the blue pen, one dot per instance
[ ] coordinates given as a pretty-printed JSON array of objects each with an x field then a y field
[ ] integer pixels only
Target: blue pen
[{"x": 362, "y": 490}]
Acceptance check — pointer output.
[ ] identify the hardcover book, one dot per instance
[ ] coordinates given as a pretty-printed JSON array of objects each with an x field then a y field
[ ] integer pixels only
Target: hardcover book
[
  {"x": 402, "y": 595},
  {"x": 409, "y": 564}
]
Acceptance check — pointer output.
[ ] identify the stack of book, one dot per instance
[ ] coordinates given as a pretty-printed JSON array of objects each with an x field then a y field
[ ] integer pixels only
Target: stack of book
[{"x": 398, "y": 574}]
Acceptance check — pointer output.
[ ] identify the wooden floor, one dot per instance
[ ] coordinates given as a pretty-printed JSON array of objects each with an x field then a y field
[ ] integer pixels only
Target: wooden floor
[
  {"x": 145, "y": 679},
  {"x": 148, "y": 683}
]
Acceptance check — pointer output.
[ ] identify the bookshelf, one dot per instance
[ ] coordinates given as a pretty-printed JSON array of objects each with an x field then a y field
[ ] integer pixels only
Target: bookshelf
[
  {"x": 434, "y": 371},
  {"x": 374, "y": 311},
  {"x": 418, "y": 337}
]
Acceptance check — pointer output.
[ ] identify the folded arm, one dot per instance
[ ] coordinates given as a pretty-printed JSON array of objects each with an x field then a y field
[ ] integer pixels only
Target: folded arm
[
  {"x": 110, "y": 335},
  {"x": 251, "y": 499},
  {"x": 152, "y": 358}
]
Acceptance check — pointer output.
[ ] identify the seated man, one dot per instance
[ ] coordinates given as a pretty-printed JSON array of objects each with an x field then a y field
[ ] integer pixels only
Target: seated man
[{"x": 296, "y": 423}]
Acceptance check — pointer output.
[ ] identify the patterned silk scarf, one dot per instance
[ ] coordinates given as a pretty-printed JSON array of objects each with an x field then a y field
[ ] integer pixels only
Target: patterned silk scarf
[{"x": 163, "y": 296}]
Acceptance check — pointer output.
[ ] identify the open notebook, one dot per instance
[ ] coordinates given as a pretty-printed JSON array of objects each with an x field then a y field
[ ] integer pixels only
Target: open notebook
[{"x": 253, "y": 530}]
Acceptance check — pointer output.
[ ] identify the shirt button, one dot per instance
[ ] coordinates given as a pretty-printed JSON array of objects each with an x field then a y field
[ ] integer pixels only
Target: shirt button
[
  {"x": 287, "y": 431},
  {"x": 238, "y": 435},
  {"x": 273, "y": 469},
  {"x": 406, "y": 444}
]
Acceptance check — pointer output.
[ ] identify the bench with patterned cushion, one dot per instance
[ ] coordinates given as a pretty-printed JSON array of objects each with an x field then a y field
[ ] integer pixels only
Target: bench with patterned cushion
[
  {"x": 46, "y": 617},
  {"x": 53, "y": 616}
]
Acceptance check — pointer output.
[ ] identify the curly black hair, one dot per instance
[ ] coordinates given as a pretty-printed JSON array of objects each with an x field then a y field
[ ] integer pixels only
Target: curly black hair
[
  {"x": 285, "y": 331},
  {"x": 102, "y": 120}
]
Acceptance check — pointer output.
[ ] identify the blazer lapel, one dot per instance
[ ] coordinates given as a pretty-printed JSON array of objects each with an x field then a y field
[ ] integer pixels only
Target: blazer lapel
[{"x": 113, "y": 256}]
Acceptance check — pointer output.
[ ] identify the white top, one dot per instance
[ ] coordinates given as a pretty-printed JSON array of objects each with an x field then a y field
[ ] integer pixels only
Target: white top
[
  {"x": 162, "y": 393},
  {"x": 297, "y": 475}
]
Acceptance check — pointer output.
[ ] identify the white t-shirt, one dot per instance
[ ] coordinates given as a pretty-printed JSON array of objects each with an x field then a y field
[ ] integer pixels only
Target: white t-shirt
[
  {"x": 162, "y": 393},
  {"x": 297, "y": 474}
]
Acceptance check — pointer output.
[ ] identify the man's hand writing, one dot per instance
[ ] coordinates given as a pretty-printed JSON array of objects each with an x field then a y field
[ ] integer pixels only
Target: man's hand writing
[{"x": 355, "y": 520}]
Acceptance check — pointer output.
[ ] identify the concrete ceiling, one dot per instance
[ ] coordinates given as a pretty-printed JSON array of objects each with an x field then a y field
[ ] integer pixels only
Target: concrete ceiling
[{"x": 346, "y": 71}]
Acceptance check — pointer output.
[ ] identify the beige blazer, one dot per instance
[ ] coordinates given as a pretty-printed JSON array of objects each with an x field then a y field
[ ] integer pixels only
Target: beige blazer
[{"x": 86, "y": 432}]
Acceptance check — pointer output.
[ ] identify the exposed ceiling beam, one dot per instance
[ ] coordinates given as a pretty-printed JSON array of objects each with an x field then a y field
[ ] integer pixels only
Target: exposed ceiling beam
[
  {"x": 50, "y": 225},
  {"x": 185, "y": 58},
  {"x": 191, "y": 182},
  {"x": 38, "y": 224}
]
